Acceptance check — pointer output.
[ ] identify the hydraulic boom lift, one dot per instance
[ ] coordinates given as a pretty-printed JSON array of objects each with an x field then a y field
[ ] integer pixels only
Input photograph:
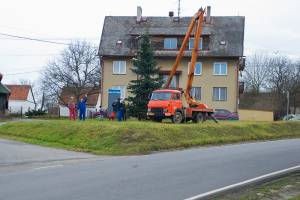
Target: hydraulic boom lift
[{"x": 168, "y": 103}]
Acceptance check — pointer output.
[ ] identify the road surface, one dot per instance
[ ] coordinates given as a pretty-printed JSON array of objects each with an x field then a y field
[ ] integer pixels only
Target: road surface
[{"x": 168, "y": 175}]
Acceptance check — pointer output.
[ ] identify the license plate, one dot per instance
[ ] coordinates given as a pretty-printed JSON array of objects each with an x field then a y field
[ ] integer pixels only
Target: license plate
[{"x": 151, "y": 114}]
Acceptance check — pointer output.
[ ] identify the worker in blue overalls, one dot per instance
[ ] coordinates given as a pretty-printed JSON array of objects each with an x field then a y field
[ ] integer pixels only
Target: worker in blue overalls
[{"x": 82, "y": 107}]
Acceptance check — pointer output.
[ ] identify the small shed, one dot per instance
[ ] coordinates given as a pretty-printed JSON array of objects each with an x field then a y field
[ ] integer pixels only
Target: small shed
[{"x": 4, "y": 95}]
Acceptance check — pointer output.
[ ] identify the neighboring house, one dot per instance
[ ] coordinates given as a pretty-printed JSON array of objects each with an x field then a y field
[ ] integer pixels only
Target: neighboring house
[
  {"x": 4, "y": 94},
  {"x": 21, "y": 99},
  {"x": 93, "y": 100},
  {"x": 217, "y": 68}
]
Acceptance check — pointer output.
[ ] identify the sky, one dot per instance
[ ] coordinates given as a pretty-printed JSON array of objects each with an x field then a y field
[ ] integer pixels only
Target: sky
[{"x": 271, "y": 26}]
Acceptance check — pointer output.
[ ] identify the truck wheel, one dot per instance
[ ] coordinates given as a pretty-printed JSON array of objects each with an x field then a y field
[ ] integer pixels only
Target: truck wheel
[
  {"x": 198, "y": 117},
  {"x": 177, "y": 118}
]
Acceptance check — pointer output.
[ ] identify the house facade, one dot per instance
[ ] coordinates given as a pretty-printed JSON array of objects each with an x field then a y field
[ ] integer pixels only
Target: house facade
[
  {"x": 219, "y": 61},
  {"x": 92, "y": 104},
  {"x": 21, "y": 99}
]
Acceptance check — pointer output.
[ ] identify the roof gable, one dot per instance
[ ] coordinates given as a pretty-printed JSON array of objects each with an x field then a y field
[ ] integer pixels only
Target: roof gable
[{"x": 229, "y": 29}]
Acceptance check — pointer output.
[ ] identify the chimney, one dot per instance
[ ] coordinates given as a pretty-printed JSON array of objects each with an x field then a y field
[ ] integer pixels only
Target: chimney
[
  {"x": 139, "y": 14},
  {"x": 208, "y": 14},
  {"x": 171, "y": 14}
]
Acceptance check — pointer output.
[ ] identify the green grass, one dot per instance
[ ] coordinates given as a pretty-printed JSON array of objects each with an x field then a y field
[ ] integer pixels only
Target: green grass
[
  {"x": 287, "y": 187},
  {"x": 134, "y": 137}
]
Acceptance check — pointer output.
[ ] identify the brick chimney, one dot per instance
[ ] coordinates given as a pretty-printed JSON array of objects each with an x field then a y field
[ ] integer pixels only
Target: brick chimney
[
  {"x": 139, "y": 15},
  {"x": 208, "y": 14}
]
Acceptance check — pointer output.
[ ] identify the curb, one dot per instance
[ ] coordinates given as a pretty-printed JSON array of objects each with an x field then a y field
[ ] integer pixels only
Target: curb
[{"x": 254, "y": 181}]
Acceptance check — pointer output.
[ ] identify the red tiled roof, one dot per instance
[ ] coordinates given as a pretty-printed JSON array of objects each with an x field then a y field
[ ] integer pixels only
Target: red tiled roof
[
  {"x": 92, "y": 96},
  {"x": 18, "y": 92}
]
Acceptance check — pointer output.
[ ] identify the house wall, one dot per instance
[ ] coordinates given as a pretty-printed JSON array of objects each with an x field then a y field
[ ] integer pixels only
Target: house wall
[
  {"x": 256, "y": 115},
  {"x": 206, "y": 81},
  {"x": 15, "y": 106}
]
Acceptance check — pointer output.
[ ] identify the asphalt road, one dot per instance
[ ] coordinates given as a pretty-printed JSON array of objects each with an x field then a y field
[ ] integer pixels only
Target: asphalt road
[{"x": 169, "y": 175}]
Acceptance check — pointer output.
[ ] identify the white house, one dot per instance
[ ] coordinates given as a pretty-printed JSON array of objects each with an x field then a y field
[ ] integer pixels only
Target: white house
[
  {"x": 92, "y": 105},
  {"x": 21, "y": 99}
]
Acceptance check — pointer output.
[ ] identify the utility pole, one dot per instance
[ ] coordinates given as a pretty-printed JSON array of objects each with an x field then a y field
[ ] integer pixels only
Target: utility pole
[
  {"x": 178, "y": 11},
  {"x": 288, "y": 102}
]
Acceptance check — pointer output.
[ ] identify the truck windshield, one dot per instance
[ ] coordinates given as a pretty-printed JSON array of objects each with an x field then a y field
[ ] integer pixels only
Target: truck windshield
[{"x": 161, "y": 96}]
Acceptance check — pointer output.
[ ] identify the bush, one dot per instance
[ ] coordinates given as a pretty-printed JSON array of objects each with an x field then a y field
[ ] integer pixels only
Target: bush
[{"x": 32, "y": 113}]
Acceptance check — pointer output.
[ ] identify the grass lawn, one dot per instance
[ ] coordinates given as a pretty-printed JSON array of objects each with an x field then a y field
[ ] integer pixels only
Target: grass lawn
[
  {"x": 283, "y": 188},
  {"x": 134, "y": 137}
]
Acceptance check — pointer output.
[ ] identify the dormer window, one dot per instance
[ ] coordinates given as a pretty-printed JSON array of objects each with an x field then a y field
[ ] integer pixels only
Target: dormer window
[
  {"x": 119, "y": 44},
  {"x": 191, "y": 43},
  {"x": 170, "y": 43}
]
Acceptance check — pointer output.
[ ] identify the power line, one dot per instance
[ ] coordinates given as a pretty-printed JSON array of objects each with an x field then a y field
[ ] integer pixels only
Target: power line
[
  {"x": 33, "y": 39},
  {"x": 22, "y": 73},
  {"x": 21, "y": 55}
]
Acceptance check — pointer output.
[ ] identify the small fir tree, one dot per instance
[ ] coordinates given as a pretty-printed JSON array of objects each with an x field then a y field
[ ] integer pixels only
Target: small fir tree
[{"x": 148, "y": 79}]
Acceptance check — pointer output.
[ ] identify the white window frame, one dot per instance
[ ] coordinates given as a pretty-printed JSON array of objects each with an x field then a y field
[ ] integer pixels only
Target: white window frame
[
  {"x": 193, "y": 92},
  {"x": 174, "y": 80},
  {"x": 220, "y": 64},
  {"x": 119, "y": 66},
  {"x": 195, "y": 74},
  {"x": 165, "y": 46},
  {"x": 219, "y": 94},
  {"x": 122, "y": 89},
  {"x": 192, "y": 40}
]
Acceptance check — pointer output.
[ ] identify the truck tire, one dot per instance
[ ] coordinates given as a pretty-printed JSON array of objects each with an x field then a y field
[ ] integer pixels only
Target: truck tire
[
  {"x": 198, "y": 117},
  {"x": 177, "y": 118}
]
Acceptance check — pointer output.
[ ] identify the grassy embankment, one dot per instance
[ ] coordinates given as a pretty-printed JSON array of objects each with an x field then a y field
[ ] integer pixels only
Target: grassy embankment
[
  {"x": 283, "y": 188},
  {"x": 133, "y": 137}
]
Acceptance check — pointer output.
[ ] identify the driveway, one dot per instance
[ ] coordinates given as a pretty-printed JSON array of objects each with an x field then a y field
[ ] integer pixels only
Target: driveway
[{"x": 18, "y": 153}]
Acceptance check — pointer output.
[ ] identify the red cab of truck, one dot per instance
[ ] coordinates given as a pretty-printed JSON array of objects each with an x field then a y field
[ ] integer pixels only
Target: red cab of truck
[{"x": 164, "y": 104}]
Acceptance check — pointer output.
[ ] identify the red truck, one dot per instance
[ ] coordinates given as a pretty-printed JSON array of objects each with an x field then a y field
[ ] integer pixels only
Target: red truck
[{"x": 167, "y": 103}]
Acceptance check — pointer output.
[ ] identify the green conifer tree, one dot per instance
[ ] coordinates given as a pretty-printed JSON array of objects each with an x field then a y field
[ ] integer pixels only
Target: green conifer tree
[{"x": 147, "y": 81}]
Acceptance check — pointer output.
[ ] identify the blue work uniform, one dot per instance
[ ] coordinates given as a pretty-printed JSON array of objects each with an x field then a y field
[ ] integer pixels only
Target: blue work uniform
[{"x": 82, "y": 108}]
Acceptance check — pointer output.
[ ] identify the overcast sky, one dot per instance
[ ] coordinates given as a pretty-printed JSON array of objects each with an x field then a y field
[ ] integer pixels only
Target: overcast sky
[{"x": 270, "y": 26}]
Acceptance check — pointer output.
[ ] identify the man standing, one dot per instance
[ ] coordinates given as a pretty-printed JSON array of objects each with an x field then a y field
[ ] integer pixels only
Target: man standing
[{"x": 82, "y": 107}]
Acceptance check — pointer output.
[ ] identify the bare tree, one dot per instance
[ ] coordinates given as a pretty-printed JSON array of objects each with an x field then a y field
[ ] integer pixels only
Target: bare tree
[
  {"x": 257, "y": 71},
  {"x": 77, "y": 68},
  {"x": 293, "y": 85},
  {"x": 281, "y": 81}
]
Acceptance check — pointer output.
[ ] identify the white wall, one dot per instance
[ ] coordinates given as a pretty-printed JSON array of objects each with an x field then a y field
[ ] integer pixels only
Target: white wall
[
  {"x": 15, "y": 106},
  {"x": 64, "y": 110}
]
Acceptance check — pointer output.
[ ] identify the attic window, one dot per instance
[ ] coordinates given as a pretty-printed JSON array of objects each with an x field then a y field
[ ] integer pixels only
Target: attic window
[
  {"x": 119, "y": 44},
  {"x": 223, "y": 43}
]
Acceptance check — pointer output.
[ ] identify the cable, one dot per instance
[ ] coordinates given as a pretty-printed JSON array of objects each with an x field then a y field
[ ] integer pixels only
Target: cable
[
  {"x": 33, "y": 39},
  {"x": 21, "y": 73},
  {"x": 17, "y": 55}
]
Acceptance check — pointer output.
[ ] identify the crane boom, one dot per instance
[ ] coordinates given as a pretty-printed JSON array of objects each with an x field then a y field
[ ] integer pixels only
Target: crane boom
[
  {"x": 198, "y": 20},
  {"x": 182, "y": 48}
]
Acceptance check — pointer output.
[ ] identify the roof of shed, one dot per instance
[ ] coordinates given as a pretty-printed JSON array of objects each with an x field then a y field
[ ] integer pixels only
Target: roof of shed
[{"x": 229, "y": 29}]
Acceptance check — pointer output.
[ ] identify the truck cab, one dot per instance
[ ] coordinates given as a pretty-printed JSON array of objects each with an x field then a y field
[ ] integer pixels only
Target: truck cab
[{"x": 165, "y": 104}]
